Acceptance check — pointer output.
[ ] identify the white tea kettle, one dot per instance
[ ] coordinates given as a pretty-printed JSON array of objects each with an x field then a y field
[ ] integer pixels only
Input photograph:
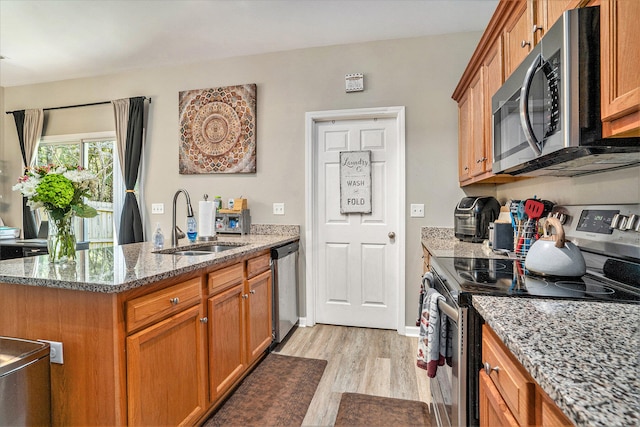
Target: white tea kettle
[{"x": 552, "y": 255}]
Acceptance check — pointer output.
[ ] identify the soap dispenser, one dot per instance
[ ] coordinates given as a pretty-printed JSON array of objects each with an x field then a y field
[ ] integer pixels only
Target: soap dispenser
[
  {"x": 192, "y": 229},
  {"x": 158, "y": 237}
]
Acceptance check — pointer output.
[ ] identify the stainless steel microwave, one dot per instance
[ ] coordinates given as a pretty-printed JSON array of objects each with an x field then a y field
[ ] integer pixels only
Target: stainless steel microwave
[{"x": 546, "y": 116}]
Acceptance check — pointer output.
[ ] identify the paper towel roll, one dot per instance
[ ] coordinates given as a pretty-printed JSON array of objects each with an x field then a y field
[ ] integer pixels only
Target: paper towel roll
[{"x": 206, "y": 218}]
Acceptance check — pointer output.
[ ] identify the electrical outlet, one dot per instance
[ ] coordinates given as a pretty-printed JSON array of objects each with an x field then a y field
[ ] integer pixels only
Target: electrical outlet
[
  {"x": 55, "y": 352},
  {"x": 157, "y": 208},
  {"x": 278, "y": 208},
  {"x": 417, "y": 210}
]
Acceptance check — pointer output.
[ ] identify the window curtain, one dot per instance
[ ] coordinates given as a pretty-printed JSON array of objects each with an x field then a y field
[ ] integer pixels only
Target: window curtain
[
  {"x": 29, "y": 125},
  {"x": 129, "y": 118}
]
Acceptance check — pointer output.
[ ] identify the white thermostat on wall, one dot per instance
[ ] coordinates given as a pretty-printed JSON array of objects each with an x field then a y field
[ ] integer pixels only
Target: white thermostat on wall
[{"x": 354, "y": 82}]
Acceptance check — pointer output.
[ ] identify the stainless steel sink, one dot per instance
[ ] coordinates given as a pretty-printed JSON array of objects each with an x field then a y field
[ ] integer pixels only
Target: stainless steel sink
[
  {"x": 201, "y": 250},
  {"x": 216, "y": 248},
  {"x": 190, "y": 253}
]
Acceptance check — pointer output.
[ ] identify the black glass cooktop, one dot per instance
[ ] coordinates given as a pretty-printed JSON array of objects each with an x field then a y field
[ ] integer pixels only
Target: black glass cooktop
[{"x": 508, "y": 277}]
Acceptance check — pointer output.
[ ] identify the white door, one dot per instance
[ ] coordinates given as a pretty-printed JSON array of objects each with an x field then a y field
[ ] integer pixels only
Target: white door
[{"x": 358, "y": 257}]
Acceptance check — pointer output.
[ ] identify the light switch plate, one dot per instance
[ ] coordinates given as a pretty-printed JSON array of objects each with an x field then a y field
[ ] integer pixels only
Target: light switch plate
[
  {"x": 417, "y": 210},
  {"x": 278, "y": 208},
  {"x": 157, "y": 208}
]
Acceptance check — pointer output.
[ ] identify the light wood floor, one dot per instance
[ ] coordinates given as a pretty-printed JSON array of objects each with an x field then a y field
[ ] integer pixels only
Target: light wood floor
[{"x": 368, "y": 361}]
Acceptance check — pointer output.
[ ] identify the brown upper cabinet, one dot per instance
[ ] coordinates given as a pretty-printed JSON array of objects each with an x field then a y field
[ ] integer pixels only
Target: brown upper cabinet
[
  {"x": 620, "y": 62},
  {"x": 515, "y": 27}
]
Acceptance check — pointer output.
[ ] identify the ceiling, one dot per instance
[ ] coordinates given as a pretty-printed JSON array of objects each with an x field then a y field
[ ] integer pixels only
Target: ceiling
[{"x": 50, "y": 40}]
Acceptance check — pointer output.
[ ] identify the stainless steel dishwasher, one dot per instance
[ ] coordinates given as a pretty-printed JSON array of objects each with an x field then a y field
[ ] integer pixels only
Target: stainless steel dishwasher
[
  {"x": 25, "y": 385},
  {"x": 284, "y": 270}
]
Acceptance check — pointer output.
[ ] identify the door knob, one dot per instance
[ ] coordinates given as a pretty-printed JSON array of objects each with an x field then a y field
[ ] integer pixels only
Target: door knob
[{"x": 392, "y": 235}]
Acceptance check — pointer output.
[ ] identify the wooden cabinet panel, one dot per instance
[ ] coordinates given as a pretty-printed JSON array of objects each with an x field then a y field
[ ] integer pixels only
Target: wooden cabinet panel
[
  {"x": 225, "y": 277},
  {"x": 514, "y": 383},
  {"x": 464, "y": 137},
  {"x": 493, "y": 78},
  {"x": 227, "y": 359},
  {"x": 150, "y": 308},
  {"x": 517, "y": 32},
  {"x": 426, "y": 260},
  {"x": 548, "y": 413},
  {"x": 166, "y": 371},
  {"x": 477, "y": 157},
  {"x": 258, "y": 264},
  {"x": 620, "y": 62},
  {"x": 259, "y": 322},
  {"x": 547, "y": 12},
  {"x": 493, "y": 409}
]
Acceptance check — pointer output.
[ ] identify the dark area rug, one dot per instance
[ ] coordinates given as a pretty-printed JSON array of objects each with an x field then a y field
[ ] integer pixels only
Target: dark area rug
[
  {"x": 277, "y": 393},
  {"x": 365, "y": 410}
]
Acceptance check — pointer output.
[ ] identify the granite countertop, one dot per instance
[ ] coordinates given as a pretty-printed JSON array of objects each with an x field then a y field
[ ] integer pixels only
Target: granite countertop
[
  {"x": 119, "y": 268},
  {"x": 441, "y": 242},
  {"x": 584, "y": 355}
]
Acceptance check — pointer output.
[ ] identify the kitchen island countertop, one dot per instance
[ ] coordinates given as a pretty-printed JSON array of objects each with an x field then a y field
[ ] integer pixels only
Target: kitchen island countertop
[
  {"x": 584, "y": 355},
  {"x": 115, "y": 269}
]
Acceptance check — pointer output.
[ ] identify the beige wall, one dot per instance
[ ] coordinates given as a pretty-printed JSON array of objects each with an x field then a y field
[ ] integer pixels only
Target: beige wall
[{"x": 419, "y": 74}]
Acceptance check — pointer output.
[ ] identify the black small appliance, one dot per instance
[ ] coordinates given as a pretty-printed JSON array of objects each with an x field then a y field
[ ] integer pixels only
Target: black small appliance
[{"x": 472, "y": 217}]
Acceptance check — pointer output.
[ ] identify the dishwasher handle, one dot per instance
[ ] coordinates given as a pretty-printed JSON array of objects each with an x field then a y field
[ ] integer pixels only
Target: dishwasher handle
[{"x": 285, "y": 250}]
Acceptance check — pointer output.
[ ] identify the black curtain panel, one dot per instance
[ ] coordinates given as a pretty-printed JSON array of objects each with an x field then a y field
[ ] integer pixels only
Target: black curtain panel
[
  {"x": 29, "y": 229},
  {"x": 131, "y": 230}
]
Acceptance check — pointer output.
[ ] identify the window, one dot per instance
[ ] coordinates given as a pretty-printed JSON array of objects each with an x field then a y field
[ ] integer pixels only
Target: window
[{"x": 97, "y": 153}]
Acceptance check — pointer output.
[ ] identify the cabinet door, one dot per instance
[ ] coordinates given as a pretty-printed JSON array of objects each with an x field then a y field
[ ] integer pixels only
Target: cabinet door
[
  {"x": 464, "y": 136},
  {"x": 166, "y": 371},
  {"x": 547, "y": 12},
  {"x": 620, "y": 62},
  {"x": 478, "y": 157},
  {"x": 518, "y": 39},
  {"x": 259, "y": 322},
  {"x": 493, "y": 409},
  {"x": 226, "y": 339},
  {"x": 493, "y": 78}
]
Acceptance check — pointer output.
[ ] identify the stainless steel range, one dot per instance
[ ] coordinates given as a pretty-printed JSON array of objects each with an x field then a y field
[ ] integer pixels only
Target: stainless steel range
[{"x": 609, "y": 239}]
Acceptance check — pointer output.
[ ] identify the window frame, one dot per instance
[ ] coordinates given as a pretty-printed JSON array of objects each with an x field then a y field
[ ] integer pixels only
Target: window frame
[{"x": 81, "y": 139}]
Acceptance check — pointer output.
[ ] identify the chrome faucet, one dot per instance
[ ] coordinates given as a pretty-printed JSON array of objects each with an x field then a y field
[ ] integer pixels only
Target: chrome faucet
[{"x": 176, "y": 233}]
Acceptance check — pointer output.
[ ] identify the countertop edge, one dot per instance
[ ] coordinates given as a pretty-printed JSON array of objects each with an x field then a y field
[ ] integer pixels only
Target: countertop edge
[{"x": 63, "y": 277}]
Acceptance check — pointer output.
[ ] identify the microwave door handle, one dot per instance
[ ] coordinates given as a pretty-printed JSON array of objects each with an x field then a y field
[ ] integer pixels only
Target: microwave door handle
[{"x": 524, "y": 105}]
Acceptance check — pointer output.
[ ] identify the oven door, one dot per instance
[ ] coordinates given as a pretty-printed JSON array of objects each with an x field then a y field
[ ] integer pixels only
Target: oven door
[
  {"x": 449, "y": 386},
  {"x": 445, "y": 387}
]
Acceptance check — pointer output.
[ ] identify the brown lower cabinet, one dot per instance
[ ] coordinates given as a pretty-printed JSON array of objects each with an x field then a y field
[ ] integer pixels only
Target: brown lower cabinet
[
  {"x": 509, "y": 396},
  {"x": 240, "y": 327},
  {"x": 162, "y": 354}
]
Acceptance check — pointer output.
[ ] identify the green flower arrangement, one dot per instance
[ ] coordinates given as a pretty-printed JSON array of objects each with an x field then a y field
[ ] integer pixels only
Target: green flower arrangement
[{"x": 60, "y": 190}]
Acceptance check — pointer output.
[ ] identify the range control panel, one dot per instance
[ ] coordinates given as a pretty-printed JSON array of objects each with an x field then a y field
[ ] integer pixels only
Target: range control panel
[{"x": 612, "y": 230}]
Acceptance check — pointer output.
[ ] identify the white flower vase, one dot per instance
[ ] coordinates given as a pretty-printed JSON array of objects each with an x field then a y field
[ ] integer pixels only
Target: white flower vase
[{"x": 61, "y": 243}]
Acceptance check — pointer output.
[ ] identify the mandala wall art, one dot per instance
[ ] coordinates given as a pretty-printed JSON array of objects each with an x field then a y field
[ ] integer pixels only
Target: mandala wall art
[{"x": 218, "y": 130}]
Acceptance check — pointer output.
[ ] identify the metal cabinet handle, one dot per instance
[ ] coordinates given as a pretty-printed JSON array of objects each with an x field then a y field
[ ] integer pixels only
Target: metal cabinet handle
[
  {"x": 392, "y": 235},
  {"x": 204, "y": 320},
  {"x": 174, "y": 301},
  {"x": 245, "y": 296},
  {"x": 252, "y": 291},
  {"x": 488, "y": 368},
  {"x": 525, "y": 43},
  {"x": 536, "y": 28}
]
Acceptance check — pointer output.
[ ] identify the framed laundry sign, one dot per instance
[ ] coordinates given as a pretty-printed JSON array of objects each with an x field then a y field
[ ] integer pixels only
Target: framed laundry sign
[{"x": 355, "y": 182}]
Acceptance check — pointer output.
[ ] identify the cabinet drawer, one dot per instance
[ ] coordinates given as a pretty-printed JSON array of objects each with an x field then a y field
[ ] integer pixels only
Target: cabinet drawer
[
  {"x": 157, "y": 305},
  {"x": 258, "y": 264},
  {"x": 516, "y": 386},
  {"x": 225, "y": 277}
]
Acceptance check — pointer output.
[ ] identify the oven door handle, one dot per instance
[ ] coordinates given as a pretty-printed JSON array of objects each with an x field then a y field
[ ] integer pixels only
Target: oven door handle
[{"x": 449, "y": 311}]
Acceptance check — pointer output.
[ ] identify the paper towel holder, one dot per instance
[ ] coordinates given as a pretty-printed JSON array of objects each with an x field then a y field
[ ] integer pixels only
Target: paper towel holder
[{"x": 207, "y": 238}]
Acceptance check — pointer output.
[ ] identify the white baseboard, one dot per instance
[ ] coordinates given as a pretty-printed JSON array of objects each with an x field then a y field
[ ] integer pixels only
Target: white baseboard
[
  {"x": 412, "y": 331},
  {"x": 409, "y": 331}
]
